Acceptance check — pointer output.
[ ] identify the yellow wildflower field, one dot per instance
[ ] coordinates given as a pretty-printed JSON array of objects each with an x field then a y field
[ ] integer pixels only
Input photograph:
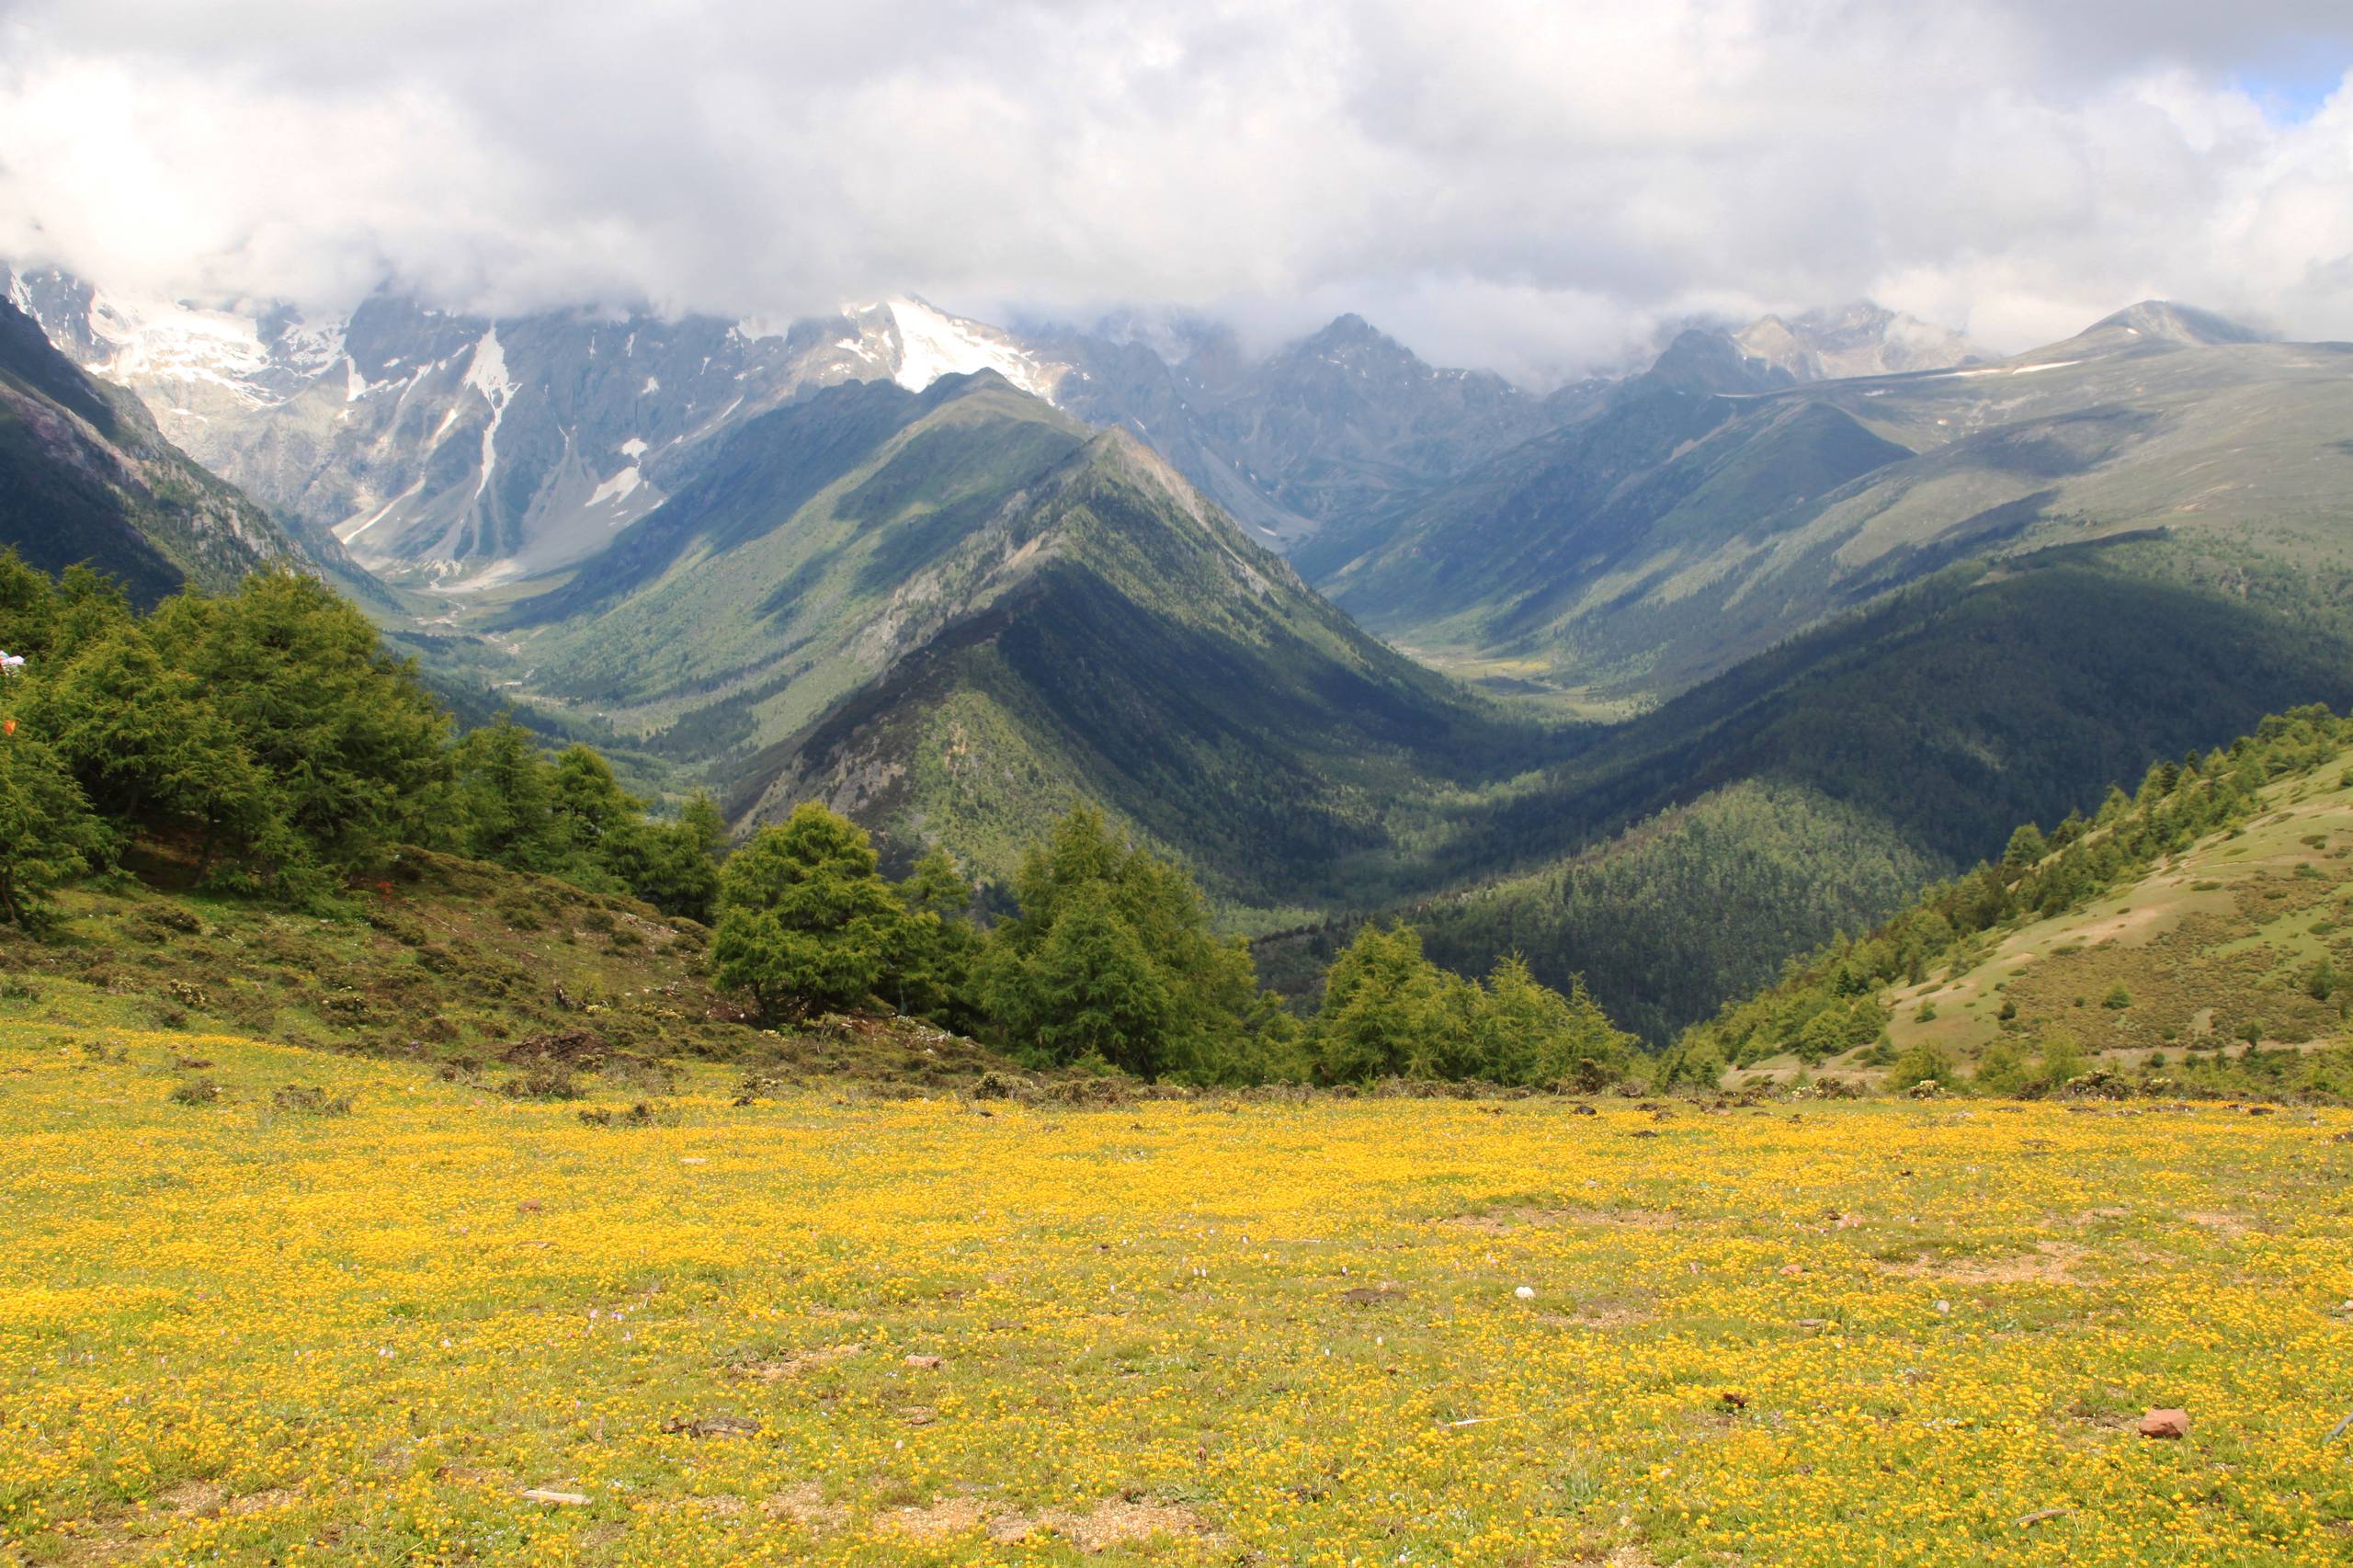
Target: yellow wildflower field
[{"x": 450, "y": 1327}]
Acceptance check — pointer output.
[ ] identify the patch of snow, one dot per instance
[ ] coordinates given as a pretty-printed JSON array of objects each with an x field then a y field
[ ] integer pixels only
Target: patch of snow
[
  {"x": 2046, "y": 365},
  {"x": 354, "y": 385},
  {"x": 652, "y": 384},
  {"x": 486, "y": 373},
  {"x": 933, "y": 343},
  {"x": 155, "y": 340},
  {"x": 620, "y": 487},
  {"x": 633, "y": 448}
]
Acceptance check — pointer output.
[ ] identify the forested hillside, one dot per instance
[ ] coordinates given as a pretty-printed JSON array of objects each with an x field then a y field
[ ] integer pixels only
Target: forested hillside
[
  {"x": 958, "y": 614},
  {"x": 1812, "y": 791}
]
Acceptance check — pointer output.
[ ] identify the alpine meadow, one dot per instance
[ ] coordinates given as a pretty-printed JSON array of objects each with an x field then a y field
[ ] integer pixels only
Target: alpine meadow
[{"x": 1319, "y": 784}]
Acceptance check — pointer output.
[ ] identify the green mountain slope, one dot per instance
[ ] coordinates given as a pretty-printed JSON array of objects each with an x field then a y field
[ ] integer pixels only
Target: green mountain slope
[
  {"x": 1693, "y": 522},
  {"x": 954, "y": 612},
  {"x": 85, "y": 476},
  {"x": 2192, "y": 935},
  {"x": 1676, "y": 859}
]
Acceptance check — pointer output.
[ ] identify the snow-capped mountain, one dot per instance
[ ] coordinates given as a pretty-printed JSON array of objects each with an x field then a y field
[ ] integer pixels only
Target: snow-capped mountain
[
  {"x": 914, "y": 344},
  {"x": 462, "y": 450}
]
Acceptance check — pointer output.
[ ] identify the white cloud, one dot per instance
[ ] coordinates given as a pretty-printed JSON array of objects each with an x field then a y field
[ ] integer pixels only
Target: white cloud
[{"x": 1529, "y": 183}]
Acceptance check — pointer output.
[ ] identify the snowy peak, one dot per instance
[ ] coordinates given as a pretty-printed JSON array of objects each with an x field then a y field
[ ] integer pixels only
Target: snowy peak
[
  {"x": 1858, "y": 339},
  {"x": 916, "y": 343},
  {"x": 180, "y": 356}
]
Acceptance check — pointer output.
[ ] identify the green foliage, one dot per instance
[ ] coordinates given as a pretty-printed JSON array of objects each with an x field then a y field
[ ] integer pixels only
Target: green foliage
[
  {"x": 2002, "y": 1071},
  {"x": 1923, "y": 1063},
  {"x": 1389, "y": 1012},
  {"x": 263, "y": 735},
  {"x": 506, "y": 799},
  {"x": 1092, "y": 990},
  {"x": 48, "y": 835},
  {"x": 1111, "y": 954},
  {"x": 674, "y": 865},
  {"x": 571, "y": 818},
  {"x": 1691, "y": 907},
  {"x": 2063, "y": 1058},
  {"x": 151, "y": 750},
  {"x": 805, "y": 922},
  {"x": 266, "y": 739},
  {"x": 1692, "y": 1062},
  {"x": 939, "y": 949},
  {"x": 354, "y": 748}
]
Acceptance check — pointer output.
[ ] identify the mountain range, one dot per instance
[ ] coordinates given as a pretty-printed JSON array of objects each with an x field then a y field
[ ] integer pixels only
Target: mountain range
[
  {"x": 1708, "y": 508},
  {"x": 451, "y": 449},
  {"x": 1871, "y": 594}
]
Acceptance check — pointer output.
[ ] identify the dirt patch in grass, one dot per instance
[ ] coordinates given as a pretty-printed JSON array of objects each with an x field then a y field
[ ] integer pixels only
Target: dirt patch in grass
[
  {"x": 2219, "y": 1223},
  {"x": 804, "y": 1504},
  {"x": 1123, "y": 1522},
  {"x": 190, "y": 1498},
  {"x": 2051, "y": 1263},
  {"x": 1114, "y": 1522},
  {"x": 206, "y": 1499}
]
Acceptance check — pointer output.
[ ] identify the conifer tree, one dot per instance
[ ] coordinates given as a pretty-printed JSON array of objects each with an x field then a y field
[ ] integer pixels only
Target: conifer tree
[
  {"x": 805, "y": 923},
  {"x": 1094, "y": 990},
  {"x": 939, "y": 944},
  {"x": 504, "y": 785}
]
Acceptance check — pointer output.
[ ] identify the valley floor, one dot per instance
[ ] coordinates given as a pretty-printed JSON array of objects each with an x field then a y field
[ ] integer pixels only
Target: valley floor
[{"x": 438, "y": 1325}]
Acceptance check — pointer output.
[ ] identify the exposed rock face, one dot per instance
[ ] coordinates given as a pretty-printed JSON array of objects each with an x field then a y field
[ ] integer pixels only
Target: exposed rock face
[{"x": 1858, "y": 339}]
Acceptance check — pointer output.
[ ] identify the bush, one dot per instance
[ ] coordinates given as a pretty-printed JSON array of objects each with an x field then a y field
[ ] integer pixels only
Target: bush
[
  {"x": 1922, "y": 1063},
  {"x": 1389, "y": 1012},
  {"x": 302, "y": 1099},
  {"x": 546, "y": 1080},
  {"x": 195, "y": 1091}
]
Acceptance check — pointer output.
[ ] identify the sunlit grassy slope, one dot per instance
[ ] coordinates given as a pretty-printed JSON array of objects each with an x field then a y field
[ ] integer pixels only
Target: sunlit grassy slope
[
  {"x": 2231, "y": 945},
  {"x": 1177, "y": 1332}
]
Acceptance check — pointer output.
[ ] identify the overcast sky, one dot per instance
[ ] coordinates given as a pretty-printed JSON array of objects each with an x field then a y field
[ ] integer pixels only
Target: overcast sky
[{"x": 1530, "y": 187}]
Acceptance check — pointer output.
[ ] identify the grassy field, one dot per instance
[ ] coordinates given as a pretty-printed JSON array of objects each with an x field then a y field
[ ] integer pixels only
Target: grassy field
[{"x": 254, "y": 1324}]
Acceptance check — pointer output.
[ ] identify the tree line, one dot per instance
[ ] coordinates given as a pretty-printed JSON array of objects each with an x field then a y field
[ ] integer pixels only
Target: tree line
[
  {"x": 1110, "y": 963},
  {"x": 264, "y": 743}
]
